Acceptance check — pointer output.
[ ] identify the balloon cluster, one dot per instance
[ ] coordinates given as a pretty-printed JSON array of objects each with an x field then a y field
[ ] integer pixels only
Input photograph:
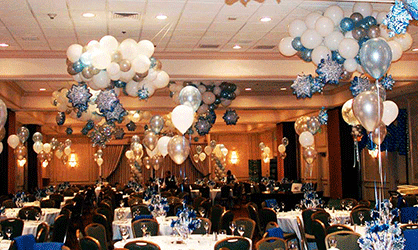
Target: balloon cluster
[
  {"x": 200, "y": 155},
  {"x": 3, "y": 118},
  {"x": 17, "y": 141},
  {"x": 333, "y": 42},
  {"x": 282, "y": 147},
  {"x": 400, "y": 15},
  {"x": 46, "y": 151},
  {"x": 218, "y": 156},
  {"x": 128, "y": 65},
  {"x": 265, "y": 155},
  {"x": 98, "y": 157}
]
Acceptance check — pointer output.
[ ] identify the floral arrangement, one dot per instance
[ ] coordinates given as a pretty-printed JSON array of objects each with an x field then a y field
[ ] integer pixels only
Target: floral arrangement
[
  {"x": 381, "y": 234},
  {"x": 310, "y": 197},
  {"x": 211, "y": 183},
  {"x": 134, "y": 185},
  {"x": 19, "y": 198},
  {"x": 50, "y": 189},
  {"x": 158, "y": 205},
  {"x": 63, "y": 186},
  {"x": 269, "y": 183},
  {"x": 40, "y": 193},
  {"x": 186, "y": 221}
]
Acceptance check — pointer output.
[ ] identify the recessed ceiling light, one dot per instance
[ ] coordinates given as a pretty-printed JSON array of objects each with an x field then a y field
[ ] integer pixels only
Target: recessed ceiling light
[
  {"x": 42, "y": 89},
  {"x": 248, "y": 89},
  {"x": 161, "y": 17},
  {"x": 88, "y": 14},
  {"x": 416, "y": 49},
  {"x": 236, "y": 46},
  {"x": 265, "y": 19},
  {"x": 4, "y": 45},
  {"x": 283, "y": 89}
]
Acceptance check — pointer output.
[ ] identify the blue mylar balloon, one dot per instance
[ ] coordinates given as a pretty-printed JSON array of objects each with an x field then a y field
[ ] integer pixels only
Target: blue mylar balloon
[
  {"x": 306, "y": 55},
  {"x": 337, "y": 57},
  {"x": 347, "y": 24},
  {"x": 370, "y": 20},
  {"x": 78, "y": 66},
  {"x": 362, "y": 40},
  {"x": 60, "y": 118},
  {"x": 412, "y": 7},
  {"x": 375, "y": 57},
  {"x": 297, "y": 44}
]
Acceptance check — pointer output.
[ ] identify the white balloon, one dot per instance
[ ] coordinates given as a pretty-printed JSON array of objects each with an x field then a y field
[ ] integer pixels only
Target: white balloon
[
  {"x": 296, "y": 28},
  {"x": 109, "y": 44},
  {"x": 282, "y": 148},
  {"x": 333, "y": 40},
  {"x": 306, "y": 139},
  {"x": 324, "y": 26},
  {"x": 350, "y": 65},
  {"x": 74, "y": 52},
  {"x": 113, "y": 69},
  {"x": 365, "y": 9},
  {"x": 127, "y": 76},
  {"x": 150, "y": 87},
  {"x": 405, "y": 40},
  {"x": 146, "y": 48},
  {"x": 13, "y": 141},
  {"x": 152, "y": 75},
  {"x": 335, "y": 13},
  {"x": 101, "y": 80},
  {"x": 59, "y": 153},
  {"x": 311, "y": 39},
  {"x": 141, "y": 64},
  {"x": 384, "y": 32},
  {"x": 129, "y": 49},
  {"x": 129, "y": 154},
  {"x": 132, "y": 88},
  {"x": 77, "y": 77},
  {"x": 37, "y": 147},
  {"x": 93, "y": 44},
  {"x": 85, "y": 58},
  {"x": 99, "y": 161},
  {"x": 1, "y": 147},
  {"x": 47, "y": 147},
  {"x": 320, "y": 52},
  {"x": 348, "y": 48},
  {"x": 285, "y": 47},
  {"x": 67, "y": 150},
  {"x": 162, "y": 80},
  {"x": 348, "y": 35},
  {"x": 396, "y": 50},
  {"x": 162, "y": 145},
  {"x": 311, "y": 18},
  {"x": 100, "y": 59},
  {"x": 182, "y": 117},
  {"x": 390, "y": 112},
  {"x": 380, "y": 17},
  {"x": 153, "y": 152}
]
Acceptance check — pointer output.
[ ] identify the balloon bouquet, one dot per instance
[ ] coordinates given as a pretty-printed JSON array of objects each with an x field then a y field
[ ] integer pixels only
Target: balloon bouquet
[
  {"x": 3, "y": 119},
  {"x": 218, "y": 157},
  {"x": 46, "y": 151},
  {"x": 17, "y": 142},
  {"x": 265, "y": 155},
  {"x": 200, "y": 155}
]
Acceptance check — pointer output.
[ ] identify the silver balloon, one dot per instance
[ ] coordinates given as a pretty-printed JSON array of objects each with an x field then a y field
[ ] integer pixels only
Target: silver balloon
[
  {"x": 146, "y": 161},
  {"x": 150, "y": 140},
  {"x": 3, "y": 113},
  {"x": 54, "y": 143},
  {"x": 156, "y": 124},
  {"x": 23, "y": 134},
  {"x": 190, "y": 96},
  {"x": 365, "y": 107},
  {"x": 313, "y": 124},
  {"x": 375, "y": 57},
  {"x": 382, "y": 91},
  {"x": 309, "y": 155},
  {"x": 68, "y": 143},
  {"x": 37, "y": 137},
  {"x": 135, "y": 138},
  {"x": 379, "y": 134},
  {"x": 373, "y": 32},
  {"x": 178, "y": 149},
  {"x": 2, "y": 134}
]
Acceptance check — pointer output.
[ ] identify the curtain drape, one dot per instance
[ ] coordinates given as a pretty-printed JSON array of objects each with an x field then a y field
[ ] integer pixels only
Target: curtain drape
[
  {"x": 112, "y": 155},
  {"x": 201, "y": 166}
]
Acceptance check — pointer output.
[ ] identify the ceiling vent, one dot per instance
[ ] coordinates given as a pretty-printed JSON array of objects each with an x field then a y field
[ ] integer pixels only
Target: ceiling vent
[
  {"x": 30, "y": 38},
  {"x": 265, "y": 47},
  {"x": 125, "y": 15},
  {"x": 208, "y": 46}
]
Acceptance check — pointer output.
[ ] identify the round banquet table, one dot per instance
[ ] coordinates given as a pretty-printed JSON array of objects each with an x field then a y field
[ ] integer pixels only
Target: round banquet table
[
  {"x": 194, "y": 242},
  {"x": 125, "y": 211},
  {"x": 164, "y": 227},
  {"x": 5, "y": 244},
  {"x": 48, "y": 214},
  {"x": 30, "y": 226}
]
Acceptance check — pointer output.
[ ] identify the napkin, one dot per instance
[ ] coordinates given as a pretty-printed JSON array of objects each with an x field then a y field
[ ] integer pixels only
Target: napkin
[
  {"x": 275, "y": 232},
  {"x": 25, "y": 242},
  {"x": 48, "y": 246}
]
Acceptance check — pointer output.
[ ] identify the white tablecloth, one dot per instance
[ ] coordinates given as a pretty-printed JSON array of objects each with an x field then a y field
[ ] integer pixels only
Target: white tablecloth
[
  {"x": 125, "y": 211},
  {"x": 164, "y": 227},
  {"x": 5, "y": 244},
  {"x": 48, "y": 214},
  {"x": 214, "y": 193},
  {"x": 194, "y": 242},
  {"x": 32, "y": 204},
  {"x": 29, "y": 227}
]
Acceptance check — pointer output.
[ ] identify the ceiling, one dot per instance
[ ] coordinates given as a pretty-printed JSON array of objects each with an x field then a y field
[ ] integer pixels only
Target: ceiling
[{"x": 190, "y": 28}]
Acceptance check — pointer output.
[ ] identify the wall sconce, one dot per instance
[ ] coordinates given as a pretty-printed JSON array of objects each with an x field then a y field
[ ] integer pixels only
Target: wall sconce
[
  {"x": 234, "y": 157},
  {"x": 45, "y": 164},
  {"x": 374, "y": 153},
  {"x": 72, "y": 162},
  {"x": 21, "y": 162}
]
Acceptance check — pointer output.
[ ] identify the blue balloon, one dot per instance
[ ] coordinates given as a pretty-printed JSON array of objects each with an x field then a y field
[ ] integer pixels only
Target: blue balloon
[
  {"x": 297, "y": 44},
  {"x": 370, "y": 20},
  {"x": 362, "y": 40},
  {"x": 375, "y": 57},
  {"x": 363, "y": 23},
  {"x": 78, "y": 66},
  {"x": 347, "y": 24},
  {"x": 412, "y": 7},
  {"x": 306, "y": 55},
  {"x": 337, "y": 57}
]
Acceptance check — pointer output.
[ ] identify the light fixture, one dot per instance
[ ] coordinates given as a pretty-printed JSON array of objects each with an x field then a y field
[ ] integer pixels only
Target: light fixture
[
  {"x": 283, "y": 89},
  {"x": 415, "y": 49},
  {"x": 236, "y": 46},
  {"x": 42, "y": 89},
  {"x": 161, "y": 17},
  {"x": 4, "y": 45},
  {"x": 374, "y": 152},
  {"x": 72, "y": 161},
  {"x": 45, "y": 164},
  {"x": 21, "y": 162},
  {"x": 265, "y": 19},
  {"x": 248, "y": 89},
  {"x": 234, "y": 157},
  {"x": 88, "y": 14}
]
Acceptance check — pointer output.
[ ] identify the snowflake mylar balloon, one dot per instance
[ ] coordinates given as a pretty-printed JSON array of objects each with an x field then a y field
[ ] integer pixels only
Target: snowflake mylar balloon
[
  {"x": 79, "y": 95},
  {"x": 397, "y": 20},
  {"x": 302, "y": 86},
  {"x": 211, "y": 116},
  {"x": 323, "y": 116},
  {"x": 317, "y": 85},
  {"x": 101, "y": 134},
  {"x": 143, "y": 93},
  {"x": 329, "y": 71},
  {"x": 116, "y": 115},
  {"x": 203, "y": 126},
  {"x": 387, "y": 82},
  {"x": 359, "y": 84},
  {"x": 119, "y": 133},
  {"x": 230, "y": 117},
  {"x": 107, "y": 100},
  {"x": 131, "y": 126}
]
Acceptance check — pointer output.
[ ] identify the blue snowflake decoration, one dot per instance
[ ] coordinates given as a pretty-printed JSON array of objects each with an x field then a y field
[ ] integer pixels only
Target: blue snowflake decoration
[
  {"x": 60, "y": 118},
  {"x": 387, "y": 82},
  {"x": 116, "y": 115},
  {"x": 211, "y": 117},
  {"x": 131, "y": 126},
  {"x": 302, "y": 86},
  {"x": 317, "y": 85},
  {"x": 119, "y": 133},
  {"x": 359, "y": 84},
  {"x": 69, "y": 131},
  {"x": 143, "y": 94},
  {"x": 397, "y": 20},
  {"x": 102, "y": 134},
  {"x": 230, "y": 117},
  {"x": 89, "y": 126},
  {"x": 107, "y": 100},
  {"x": 329, "y": 71},
  {"x": 203, "y": 126},
  {"x": 323, "y": 116},
  {"x": 79, "y": 96},
  {"x": 412, "y": 7}
]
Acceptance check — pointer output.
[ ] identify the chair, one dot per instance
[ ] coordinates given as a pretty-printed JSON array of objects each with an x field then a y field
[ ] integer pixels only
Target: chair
[
  {"x": 338, "y": 227},
  {"x": 286, "y": 236},
  {"x": 354, "y": 215},
  {"x": 31, "y": 211},
  {"x": 270, "y": 243},
  {"x": 253, "y": 213},
  {"x": 411, "y": 239},
  {"x": 42, "y": 232},
  {"x": 98, "y": 232},
  {"x": 205, "y": 192},
  {"x": 132, "y": 201},
  {"x": 307, "y": 221},
  {"x": 410, "y": 199},
  {"x": 226, "y": 199},
  {"x": 349, "y": 202},
  {"x": 50, "y": 245},
  {"x": 304, "y": 241},
  {"x": 101, "y": 219},
  {"x": 322, "y": 216},
  {"x": 57, "y": 198},
  {"x": 266, "y": 215},
  {"x": 409, "y": 214},
  {"x": 47, "y": 203},
  {"x": 142, "y": 209},
  {"x": 108, "y": 213},
  {"x": 232, "y": 243},
  {"x": 141, "y": 245},
  {"x": 152, "y": 227},
  {"x": 197, "y": 201},
  {"x": 319, "y": 231},
  {"x": 215, "y": 217},
  {"x": 226, "y": 218},
  {"x": 8, "y": 204},
  {"x": 366, "y": 203},
  {"x": 89, "y": 243},
  {"x": 59, "y": 232},
  {"x": 14, "y": 223},
  {"x": 201, "y": 229},
  {"x": 207, "y": 205},
  {"x": 249, "y": 225},
  {"x": 345, "y": 240},
  {"x": 334, "y": 203}
]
